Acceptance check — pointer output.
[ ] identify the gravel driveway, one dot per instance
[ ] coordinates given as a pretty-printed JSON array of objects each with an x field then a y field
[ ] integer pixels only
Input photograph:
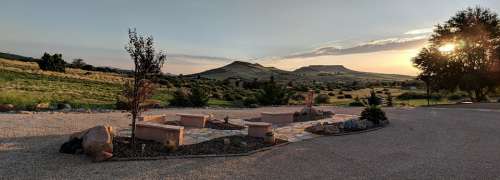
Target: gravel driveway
[{"x": 420, "y": 143}]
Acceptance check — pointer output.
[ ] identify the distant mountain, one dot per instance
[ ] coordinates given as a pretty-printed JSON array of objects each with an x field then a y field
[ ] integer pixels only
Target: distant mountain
[
  {"x": 16, "y": 57},
  {"x": 243, "y": 70},
  {"x": 317, "y": 69},
  {"x": 319, "y": 73}
]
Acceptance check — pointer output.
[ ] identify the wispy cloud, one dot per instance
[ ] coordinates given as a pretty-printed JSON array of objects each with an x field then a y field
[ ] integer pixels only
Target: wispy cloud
[
  {"x": 419, "y": 31},
  {"x": 398, "y": 43}
]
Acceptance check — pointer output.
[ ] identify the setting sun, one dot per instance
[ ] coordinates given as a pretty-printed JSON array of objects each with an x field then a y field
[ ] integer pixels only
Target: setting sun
[{"x": 447, "y": 48}]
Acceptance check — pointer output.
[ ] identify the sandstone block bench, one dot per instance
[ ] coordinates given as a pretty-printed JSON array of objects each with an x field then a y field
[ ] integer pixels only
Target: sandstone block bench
[
  {"x": 258, "y": 129},
  {"x": 154, "y": 118},
  {"x": 159, "y": 132},
  {"x": 277, "y": 117},
  {"x": 193, "y": 120}
]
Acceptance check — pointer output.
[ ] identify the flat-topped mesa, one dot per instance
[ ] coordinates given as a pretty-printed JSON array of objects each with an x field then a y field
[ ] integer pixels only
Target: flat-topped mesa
[{"x": 323, "y": 68}]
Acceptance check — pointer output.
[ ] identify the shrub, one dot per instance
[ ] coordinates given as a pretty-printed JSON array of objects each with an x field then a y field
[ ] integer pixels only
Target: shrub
[
  {"x": 374, "y": 100},
  {"x": 273, "y": 94},
  {"x": 250, "y": 101},
  {"x": 52, "y": 63},
  {"x": 122, "y": 103},
  {"x": 298, "y": 97},
  {"x": 340, "y": 97},
  {"x": 356, "y": 103},
  {"x": 457, "y": 96},
  {"x": 180, "y": 98},
  {"x": 322, "y": 99},
  {"x": 416, "y": 95},
  {"x": 331, "y": 94},
  {"x": 198, "y": 96},
  {"x": 347, "y": 96},
  {"x": 374, "y": 114},
  {"x": 389, "y": 99}
]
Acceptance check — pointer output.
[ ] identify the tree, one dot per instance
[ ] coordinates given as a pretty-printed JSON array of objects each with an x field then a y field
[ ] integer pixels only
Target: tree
[
  {"x": 464, "y": 53},
  {"x": 147, "y": 64},
  {"x": 389, "y": 99},
  {"x": 52, "y": 63},
  {"x": 198, "y": 96},
  {"x": 180, "y": 98},
  {"x": 78, "y": 63},
  {"x": 272, "y": 93}
]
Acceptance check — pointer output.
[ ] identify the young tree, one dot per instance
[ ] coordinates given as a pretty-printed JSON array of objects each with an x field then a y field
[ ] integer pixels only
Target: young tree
[
  {"x": 147, "y": 64},
  {"x": 463, "y": 53},
  {"x": 198, "y": 97}
]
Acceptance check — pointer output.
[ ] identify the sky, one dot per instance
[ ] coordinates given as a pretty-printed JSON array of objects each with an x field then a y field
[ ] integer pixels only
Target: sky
[{"x": 376, "y": 36}]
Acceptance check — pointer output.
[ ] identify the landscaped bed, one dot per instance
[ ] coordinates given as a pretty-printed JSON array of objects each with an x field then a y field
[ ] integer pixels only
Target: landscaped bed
[
  {"x": 218, "y": 146},
  {"x": 214, "y": 124}
]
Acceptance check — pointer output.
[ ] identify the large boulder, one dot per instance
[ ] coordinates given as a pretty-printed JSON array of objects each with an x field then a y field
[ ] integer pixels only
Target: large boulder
[{"x": 97, "y": 142}]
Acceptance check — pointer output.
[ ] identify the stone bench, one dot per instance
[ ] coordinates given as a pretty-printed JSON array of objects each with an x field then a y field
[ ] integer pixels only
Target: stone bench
[
  {"x": 258, "y": 129},
  {"x": 277, "y": 117},
  {"x": 193, "y": 120},
  {"x": 159, "y": 132},
  {"x": 153, "y": 118}
]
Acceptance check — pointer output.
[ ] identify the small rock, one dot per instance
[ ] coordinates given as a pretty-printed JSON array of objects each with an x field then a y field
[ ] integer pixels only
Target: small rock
[
  {"x": 42, "y": 106},
  {"x": 25, "y": 112},
  {"x": 331, "y": 129}
]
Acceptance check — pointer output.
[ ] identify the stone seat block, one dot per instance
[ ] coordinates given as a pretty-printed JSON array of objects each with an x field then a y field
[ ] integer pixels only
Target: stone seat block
[
  {"x": 258, "y": 129},
  {"x": 193, "y": 120},
  {"x": 159, "y": 132}
]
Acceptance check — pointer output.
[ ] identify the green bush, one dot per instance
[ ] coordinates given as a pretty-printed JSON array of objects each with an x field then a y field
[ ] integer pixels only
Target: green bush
[
  {"x": 180, "y": 98},
  {"x": 250, "y": 101},
  {"x": 52, "y": 63},
  {"x": 389, "y": 99},
  {"x": 374, "y": 114},
  {"x": 322, "y": 99},
  {"x": 374, "y": 100},
  {"x": 272, "y": 93},
  {"x": 198, "y": 96},
  {"x": 347, "y": 96},
  {"x": 356, "y": 103},
  {"x": 331, "y": 94}
]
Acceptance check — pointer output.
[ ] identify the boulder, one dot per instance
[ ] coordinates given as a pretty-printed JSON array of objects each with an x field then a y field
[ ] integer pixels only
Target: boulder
[
  {"x": 331, "y": 129},
  {"x": 97, "y": 142},
  {"x": 361, "y": 123},
  {"x": 42, "y": 106},
  {"x": 6, "y": 107}
]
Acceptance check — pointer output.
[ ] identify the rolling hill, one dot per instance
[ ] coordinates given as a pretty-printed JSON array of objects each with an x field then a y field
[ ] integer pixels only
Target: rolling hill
[{"x": 319, "y": 73}]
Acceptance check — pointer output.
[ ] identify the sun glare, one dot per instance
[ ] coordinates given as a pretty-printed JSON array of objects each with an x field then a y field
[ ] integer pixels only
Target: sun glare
[{"x": 447, "y": 48}]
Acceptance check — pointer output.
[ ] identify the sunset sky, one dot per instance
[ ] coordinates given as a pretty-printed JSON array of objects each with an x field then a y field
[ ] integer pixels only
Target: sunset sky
[{"x": 376, "y": 36}]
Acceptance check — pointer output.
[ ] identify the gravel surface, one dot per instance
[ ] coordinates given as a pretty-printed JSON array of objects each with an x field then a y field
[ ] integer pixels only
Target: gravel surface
[{"x": 420, "y": 143}]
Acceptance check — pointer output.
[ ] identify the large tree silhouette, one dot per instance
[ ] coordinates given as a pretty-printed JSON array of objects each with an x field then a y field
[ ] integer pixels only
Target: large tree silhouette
[{"x": 464, "y": 53}]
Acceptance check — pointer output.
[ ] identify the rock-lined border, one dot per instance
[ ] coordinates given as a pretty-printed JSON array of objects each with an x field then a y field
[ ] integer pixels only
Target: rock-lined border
[{"x": 114, "y": 159}]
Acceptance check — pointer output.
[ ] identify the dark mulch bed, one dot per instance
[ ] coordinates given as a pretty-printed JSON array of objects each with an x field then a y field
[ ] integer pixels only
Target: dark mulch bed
[
  {"x": 221, "y": 125},
  {"x": 238, "y": 144}
]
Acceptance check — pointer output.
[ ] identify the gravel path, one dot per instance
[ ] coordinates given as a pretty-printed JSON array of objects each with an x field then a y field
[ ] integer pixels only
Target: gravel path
[{"x": 420, "y": 143}]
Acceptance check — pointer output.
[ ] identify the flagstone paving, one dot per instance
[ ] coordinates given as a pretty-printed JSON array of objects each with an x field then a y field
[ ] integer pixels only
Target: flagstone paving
[{"x": 292, "y": 132}]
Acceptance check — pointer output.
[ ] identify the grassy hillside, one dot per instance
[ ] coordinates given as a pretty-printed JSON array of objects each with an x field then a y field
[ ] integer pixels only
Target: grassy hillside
[{"x": 25, "y": 85}]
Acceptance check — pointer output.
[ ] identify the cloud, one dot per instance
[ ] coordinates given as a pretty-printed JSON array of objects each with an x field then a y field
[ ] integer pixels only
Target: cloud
[
  {"x": 419, "y": 31},
  {"x": 399, "y": 43}
]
